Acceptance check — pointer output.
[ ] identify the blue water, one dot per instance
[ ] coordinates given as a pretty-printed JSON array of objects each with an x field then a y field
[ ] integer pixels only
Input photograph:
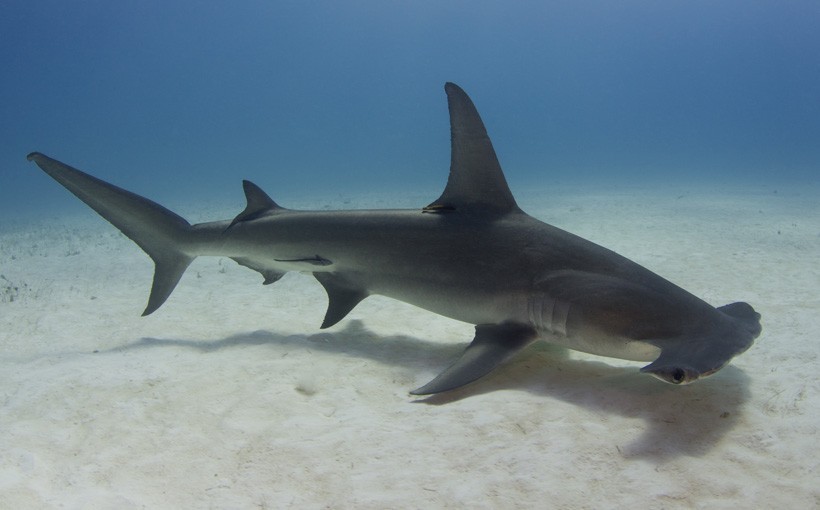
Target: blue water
[{"x": 183, "y": 99}]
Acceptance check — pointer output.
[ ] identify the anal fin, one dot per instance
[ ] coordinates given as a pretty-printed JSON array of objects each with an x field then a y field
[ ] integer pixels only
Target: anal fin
[
  {"x": 270, "y": 275},
  {"x": 342, "y": 295},
  {"x": 493, "y": 345}
]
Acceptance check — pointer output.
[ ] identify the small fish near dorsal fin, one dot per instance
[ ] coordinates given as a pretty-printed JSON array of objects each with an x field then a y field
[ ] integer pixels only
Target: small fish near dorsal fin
[
  {"x": 258, "y": 204},
  {"x": 476, "y": 181}
]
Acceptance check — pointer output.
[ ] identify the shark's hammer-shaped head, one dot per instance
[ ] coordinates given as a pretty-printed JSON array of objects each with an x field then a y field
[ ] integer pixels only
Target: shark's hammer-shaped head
[
  {"x": 683, "y": 361},
  {"x": 675, "y": 373}
]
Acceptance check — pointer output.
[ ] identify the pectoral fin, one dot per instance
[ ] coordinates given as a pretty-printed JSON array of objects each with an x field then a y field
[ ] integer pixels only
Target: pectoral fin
[{"x": 493, "y": 345}]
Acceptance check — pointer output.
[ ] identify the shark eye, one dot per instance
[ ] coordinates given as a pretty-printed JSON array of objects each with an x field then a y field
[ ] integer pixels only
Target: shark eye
[{"x": 678, "y": 375}]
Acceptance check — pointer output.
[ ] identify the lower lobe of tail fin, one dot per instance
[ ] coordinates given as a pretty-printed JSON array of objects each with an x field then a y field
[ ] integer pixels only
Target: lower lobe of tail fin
[{"x": 168, "y": 269}]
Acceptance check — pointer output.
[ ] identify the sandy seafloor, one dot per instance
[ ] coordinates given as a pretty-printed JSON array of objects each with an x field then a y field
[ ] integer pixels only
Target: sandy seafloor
[{"x": 231, "y": 397}]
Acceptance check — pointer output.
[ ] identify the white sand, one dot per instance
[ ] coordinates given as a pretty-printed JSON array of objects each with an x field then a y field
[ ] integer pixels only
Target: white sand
[{"x": 230, "y": 397}]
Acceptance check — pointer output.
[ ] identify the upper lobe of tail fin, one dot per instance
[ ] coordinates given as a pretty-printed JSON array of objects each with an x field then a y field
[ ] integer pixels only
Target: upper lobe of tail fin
[{"x": 161, "y": 233}]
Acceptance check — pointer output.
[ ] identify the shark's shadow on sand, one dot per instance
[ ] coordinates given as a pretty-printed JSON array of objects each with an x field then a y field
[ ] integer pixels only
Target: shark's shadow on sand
[{"x": 688, "y": 420}]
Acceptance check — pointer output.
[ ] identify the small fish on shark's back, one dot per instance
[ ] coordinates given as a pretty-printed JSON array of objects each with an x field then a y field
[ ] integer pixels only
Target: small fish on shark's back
[{"x": 472, "y": 255}]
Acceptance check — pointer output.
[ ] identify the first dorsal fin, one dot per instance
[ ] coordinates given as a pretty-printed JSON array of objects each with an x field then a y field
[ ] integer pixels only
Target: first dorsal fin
[
  {"x": 476, "y": 180},
  {"x": 258, "y": 203}
]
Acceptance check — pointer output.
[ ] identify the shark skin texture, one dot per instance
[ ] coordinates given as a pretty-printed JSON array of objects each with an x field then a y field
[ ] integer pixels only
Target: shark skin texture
[{"x": 472, "y": 255}]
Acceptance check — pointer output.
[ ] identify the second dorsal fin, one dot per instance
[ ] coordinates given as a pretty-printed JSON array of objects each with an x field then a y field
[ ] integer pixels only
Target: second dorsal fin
[
  {"x": 258, "y": 203},
  {"x": 476, "y": 181}
]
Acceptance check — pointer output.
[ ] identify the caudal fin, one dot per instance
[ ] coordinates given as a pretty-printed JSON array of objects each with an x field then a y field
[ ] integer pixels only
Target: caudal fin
[{"x": 158, "y": 231}]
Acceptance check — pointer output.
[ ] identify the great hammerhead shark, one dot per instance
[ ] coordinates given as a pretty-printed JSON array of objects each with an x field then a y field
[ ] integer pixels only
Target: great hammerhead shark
[{"x": 472, "y": 255}]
